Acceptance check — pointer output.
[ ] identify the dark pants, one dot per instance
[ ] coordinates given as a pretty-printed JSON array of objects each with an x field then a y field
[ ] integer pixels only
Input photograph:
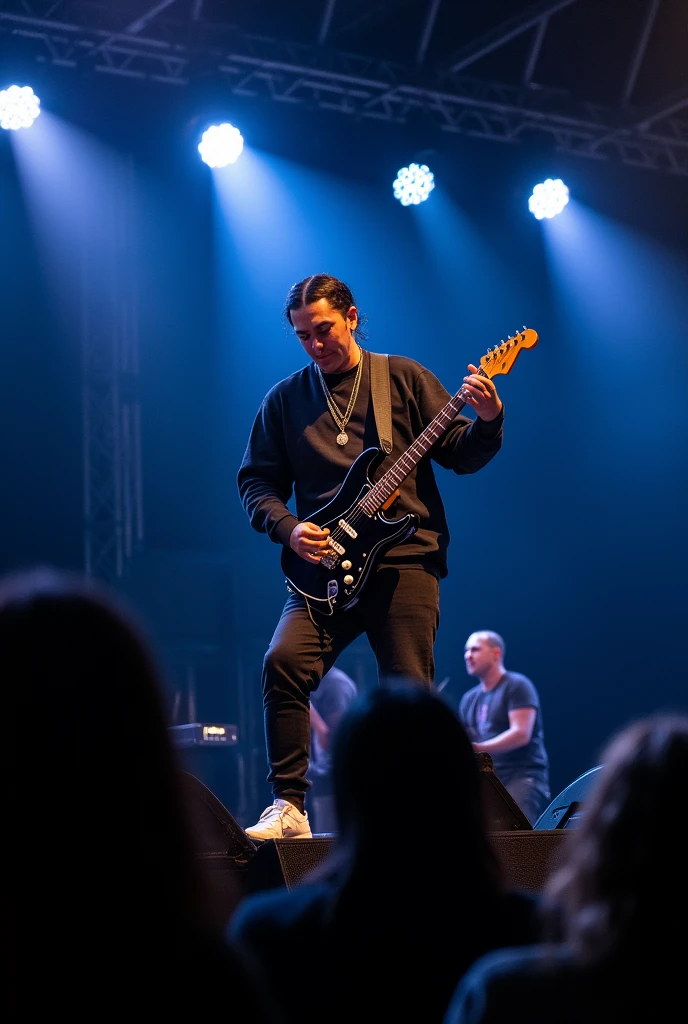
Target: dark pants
[
  {"x": 531, "y": 793},
  {"x": 399, "y": 613}
]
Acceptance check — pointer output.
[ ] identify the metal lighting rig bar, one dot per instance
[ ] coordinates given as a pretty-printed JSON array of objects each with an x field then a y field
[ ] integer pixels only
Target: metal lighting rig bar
[
  {"x": 362, "y": 87},
  {"x": 111, "y": 408}
]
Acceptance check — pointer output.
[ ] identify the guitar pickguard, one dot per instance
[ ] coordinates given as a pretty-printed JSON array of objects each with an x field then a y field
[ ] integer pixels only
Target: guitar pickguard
[{"x": 356, "y": 541}]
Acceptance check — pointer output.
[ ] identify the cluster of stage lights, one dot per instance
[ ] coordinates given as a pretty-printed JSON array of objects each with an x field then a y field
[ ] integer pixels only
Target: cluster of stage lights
[
  {"x": 221, "y": 144},
  {"x": 19, "y": 107},
  {"x": 548, "y": 198},
  {"x": 413, "y": 185}
]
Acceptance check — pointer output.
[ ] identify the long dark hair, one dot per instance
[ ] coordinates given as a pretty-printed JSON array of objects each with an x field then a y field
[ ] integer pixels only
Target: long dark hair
[
  {"x": 623, "y": 885},
  {"x": 93, "y": 788},
  {"x": 323, "y": 286},
  {"x": 403, "y": 742}
]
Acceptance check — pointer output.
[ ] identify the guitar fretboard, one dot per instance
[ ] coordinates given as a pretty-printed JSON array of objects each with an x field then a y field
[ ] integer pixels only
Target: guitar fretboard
[{"x": 394, "y": 477}]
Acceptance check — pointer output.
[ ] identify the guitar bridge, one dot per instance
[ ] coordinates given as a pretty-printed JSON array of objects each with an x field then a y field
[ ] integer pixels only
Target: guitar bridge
[{"x": 330, "y": 561}]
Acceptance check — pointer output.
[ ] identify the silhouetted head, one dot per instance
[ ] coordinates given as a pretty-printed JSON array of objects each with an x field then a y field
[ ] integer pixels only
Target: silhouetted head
[
  {"x": 88, "y": 762},
  {"x": 402, "y": 763},
  {"x": 624, "y": 882}
]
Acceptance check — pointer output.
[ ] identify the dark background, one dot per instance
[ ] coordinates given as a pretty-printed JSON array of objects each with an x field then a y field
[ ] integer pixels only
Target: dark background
[{"x": 571, "y": 543}]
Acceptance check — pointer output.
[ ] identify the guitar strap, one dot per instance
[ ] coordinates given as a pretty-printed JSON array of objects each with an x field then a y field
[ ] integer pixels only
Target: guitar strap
[{"x": 382, "y": 398}]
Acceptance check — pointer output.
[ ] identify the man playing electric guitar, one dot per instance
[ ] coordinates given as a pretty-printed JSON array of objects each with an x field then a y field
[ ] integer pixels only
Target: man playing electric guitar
[{"x": 310, "y": 429}]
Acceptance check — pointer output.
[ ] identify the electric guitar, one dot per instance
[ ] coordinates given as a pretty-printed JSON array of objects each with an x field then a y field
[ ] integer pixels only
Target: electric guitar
[{"x": 359, "y": 529}]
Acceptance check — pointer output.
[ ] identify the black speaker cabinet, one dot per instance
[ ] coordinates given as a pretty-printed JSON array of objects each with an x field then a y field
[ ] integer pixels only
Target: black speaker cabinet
[
  {"x": 502, "y": 813},
  {"x": 224, "y": 849},
  {"x": 527, "y": 858},
  {"x": 237, "y": 866},
  {"x": 286, "y": 862}
]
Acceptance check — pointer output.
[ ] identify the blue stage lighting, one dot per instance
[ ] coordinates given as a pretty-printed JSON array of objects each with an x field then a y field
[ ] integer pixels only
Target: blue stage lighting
[
  {"x": 413, "y": 184},
  {"x": 220, "y": 145},
  {"x": 549, "y": 198},
  {"x": 19, "y": 107}
]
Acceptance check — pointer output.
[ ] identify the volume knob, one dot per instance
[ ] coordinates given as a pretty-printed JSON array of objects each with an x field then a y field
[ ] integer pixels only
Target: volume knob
[
  {"x": 348, "y": 580},
  {"x": 346, "y": 564}
]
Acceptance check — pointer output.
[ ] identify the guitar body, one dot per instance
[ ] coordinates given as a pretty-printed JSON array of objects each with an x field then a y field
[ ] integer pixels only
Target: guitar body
[{"x": 358, "y": 538}]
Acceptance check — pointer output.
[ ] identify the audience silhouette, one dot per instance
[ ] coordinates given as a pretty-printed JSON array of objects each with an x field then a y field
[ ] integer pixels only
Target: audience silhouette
[
  {"x": 411, "y": 893},
  {"x": 106, "y": 909},
  {"x": 613, "y": 910},
  {"x": 408, "y": 918}
]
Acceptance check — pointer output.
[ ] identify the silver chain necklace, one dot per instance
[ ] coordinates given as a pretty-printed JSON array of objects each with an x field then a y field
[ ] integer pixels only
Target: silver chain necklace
[{"x": 341, "y": 421}]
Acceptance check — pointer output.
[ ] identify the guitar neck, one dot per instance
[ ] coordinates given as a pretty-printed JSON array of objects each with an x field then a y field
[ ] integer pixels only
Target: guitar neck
[{"x": 394, "y": 477}]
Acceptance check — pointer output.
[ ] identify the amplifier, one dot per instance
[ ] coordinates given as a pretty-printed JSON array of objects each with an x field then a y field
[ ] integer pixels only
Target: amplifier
[{"x": 203, "y": 734}]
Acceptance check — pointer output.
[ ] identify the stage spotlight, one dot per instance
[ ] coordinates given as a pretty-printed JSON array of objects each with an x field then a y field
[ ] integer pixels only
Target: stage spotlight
[
  {"x": 19, "y": 107},
  {"x": 220, "y": 145},
  {"x": 413, "y": 184},
  {"x": 549, "y": 198}
]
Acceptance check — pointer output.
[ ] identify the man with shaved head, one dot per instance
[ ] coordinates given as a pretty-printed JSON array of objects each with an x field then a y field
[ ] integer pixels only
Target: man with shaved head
[{"x": 502, "y": 716}]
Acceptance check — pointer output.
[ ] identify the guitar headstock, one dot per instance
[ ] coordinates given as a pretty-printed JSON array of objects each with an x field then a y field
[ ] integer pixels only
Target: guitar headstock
[{"x": 502, "y": 358}]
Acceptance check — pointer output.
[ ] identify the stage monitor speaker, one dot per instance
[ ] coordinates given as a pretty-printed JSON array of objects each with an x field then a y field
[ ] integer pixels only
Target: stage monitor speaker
[
  {"x": 286, "y": 862},
  {"x": 224, "y": 850},
  {"x": 526, "y": 858},
  {"x": 215, "y": 829},
  {"x": 565, "y": 810},
  {"x": 502, "y": 813}
]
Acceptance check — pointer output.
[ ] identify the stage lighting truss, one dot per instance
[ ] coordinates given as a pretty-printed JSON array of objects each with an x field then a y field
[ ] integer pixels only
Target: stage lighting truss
[
  {"x": 221, "y": 144},
  {"x": 19, "y": 107},
  {"x": 549, "y": 198},
  {"x": 413, "y": 184}
]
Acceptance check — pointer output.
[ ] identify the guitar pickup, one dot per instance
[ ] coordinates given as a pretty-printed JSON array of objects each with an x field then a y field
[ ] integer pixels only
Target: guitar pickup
[
  {"x": 347, "y": 529},
  {"x": 335, "y": 546}
]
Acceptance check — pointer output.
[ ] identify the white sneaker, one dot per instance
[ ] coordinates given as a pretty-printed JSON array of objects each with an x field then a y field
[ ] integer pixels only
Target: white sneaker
[{"x": 281, "y": 820}]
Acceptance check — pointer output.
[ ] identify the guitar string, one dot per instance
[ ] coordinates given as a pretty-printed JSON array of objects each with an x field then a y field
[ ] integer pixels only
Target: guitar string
[
  {"x": 417, "y": 444},
  {"x": 339, "y": 533},
  {"x": 353, "y": 519}
]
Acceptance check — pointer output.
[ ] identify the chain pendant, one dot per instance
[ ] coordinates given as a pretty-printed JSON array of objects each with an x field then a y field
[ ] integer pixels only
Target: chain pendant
[{"x": 341, "y": 421}]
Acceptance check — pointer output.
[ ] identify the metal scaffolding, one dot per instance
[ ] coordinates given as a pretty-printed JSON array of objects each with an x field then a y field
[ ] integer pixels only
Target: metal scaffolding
[
  {"x": 112, "y": 484},
  {"x": 93, "y": 38}
]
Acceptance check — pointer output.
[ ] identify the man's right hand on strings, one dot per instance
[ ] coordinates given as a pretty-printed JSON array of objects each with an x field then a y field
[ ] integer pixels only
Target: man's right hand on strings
[{"x": 309, "y": 542}]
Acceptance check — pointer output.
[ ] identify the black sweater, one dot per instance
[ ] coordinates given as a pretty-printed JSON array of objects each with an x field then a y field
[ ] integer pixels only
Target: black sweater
[{"x": 292, "y": 450}]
